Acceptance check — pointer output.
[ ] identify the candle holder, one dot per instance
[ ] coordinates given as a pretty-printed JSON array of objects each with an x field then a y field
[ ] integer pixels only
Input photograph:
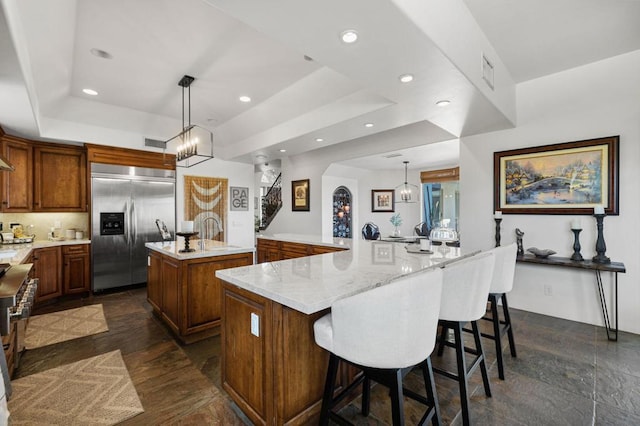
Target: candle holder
[
  {"x": 498, "y": 220},
  {"x": 186, "y": 236},
  {"x": 576, "y": 245},
  {"x": 601, "y": 247}
]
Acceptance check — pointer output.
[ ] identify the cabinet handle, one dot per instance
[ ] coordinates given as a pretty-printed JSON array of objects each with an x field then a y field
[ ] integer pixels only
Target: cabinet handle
[{"x": 5, "y": 203}]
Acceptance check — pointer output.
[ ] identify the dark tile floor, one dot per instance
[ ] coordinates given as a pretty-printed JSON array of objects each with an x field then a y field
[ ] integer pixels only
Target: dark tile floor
[{"x": 566, "y": 373}]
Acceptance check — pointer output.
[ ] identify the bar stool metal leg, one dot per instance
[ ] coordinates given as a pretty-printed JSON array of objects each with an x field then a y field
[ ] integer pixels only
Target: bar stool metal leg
[{"x": 507, "y": 319}]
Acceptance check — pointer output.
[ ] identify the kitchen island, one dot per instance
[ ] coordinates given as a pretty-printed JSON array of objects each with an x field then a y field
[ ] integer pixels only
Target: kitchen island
[
  {"x": 271, "y": 366},
  {"x": 182, "y": 287}
]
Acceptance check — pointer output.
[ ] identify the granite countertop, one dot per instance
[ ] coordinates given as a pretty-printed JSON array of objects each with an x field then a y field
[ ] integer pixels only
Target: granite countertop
[
  {"x": 311, "y": 284},
  {"x": 17, "y": 253},
  {"x": 211, "y": 248}
]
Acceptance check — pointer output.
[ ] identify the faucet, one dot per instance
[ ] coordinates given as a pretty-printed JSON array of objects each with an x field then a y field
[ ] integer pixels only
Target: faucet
[{"x": 205, "y": 229}]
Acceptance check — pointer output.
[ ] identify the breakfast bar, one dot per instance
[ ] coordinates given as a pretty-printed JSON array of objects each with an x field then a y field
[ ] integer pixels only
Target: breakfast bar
[{"x": 271, "y": 366}]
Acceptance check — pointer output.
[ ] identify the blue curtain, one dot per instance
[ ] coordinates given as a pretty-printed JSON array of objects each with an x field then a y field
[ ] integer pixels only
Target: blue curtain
[{"x": 427, "y": 197}]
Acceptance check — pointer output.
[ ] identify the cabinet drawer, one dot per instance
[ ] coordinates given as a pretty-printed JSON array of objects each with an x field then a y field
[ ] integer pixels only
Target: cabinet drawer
[
  {"x": 75, "y": 249},
  {"x": 268, "y": 243},
  {"x": 301, "y": 249}
]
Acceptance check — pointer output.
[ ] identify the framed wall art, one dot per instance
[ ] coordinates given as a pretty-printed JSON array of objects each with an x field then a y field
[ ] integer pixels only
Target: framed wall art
[
  {"x": 300, "y": 195},
  {"x": 564, "y": 178},
  {"x": 382, "y": 200}
]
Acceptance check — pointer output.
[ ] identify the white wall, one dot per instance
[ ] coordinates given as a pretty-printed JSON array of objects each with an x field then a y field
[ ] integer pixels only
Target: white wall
[
  {"x": 325, "y": 177},
  {"x": 598, "y": 100},
  {"x": 240, "y": 225}
]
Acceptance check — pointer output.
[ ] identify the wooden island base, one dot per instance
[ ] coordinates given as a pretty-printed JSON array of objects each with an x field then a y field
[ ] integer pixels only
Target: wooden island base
[
  {"x": 186, "y": 295},
  {"x": 278, "y": 376}
]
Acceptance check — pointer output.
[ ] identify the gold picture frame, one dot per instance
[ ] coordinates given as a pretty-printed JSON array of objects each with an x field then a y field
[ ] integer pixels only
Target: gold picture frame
[{"x": 300, "y": 195}]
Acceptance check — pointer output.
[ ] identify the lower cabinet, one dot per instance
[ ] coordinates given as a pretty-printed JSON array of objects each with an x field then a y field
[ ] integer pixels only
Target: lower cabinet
[
  {"x": 46, "y": 267},
  {"x": 186, "y": 294},
  {"x": 61, "y": 270},
  {"x": 269, "y": 250},
  {"x": 76, "y": 269}
]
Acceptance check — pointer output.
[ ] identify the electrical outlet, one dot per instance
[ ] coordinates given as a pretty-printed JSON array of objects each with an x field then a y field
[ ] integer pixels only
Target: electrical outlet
[
  {"x": 255, "y": 324},
  {"x": 57, "y": 224},
  {"x": 547, "y": 290}
]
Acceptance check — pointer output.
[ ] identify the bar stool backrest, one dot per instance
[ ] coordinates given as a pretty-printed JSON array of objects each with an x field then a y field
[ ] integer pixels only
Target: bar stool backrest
[
  {"x": 391, "y": 326},
  {"x": 465, "y": 288},
  {"x": 504, "y": 269}
]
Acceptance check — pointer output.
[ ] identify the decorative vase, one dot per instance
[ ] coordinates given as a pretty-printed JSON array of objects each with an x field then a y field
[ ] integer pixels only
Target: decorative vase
[{"x": 396, "y": 232}]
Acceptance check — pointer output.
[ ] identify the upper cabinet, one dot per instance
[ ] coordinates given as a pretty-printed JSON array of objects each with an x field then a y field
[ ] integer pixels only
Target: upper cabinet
[
  {"x": 47, "y": 177},
  {"x": 60, "y": 179},
  {"x": 17, "y": 186}
]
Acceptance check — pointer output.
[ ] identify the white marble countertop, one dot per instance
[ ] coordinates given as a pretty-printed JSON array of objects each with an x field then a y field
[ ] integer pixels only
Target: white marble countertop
[
  {"x": 211, "y": 248},
  {"x": 311, "y": 284},
  {"x": 15, "y": 254}
]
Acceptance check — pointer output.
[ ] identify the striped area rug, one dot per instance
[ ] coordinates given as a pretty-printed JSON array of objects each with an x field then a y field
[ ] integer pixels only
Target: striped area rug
[{"x": 47, "y": 329}]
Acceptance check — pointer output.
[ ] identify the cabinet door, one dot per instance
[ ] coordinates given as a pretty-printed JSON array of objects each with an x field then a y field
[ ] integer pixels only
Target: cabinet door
[
  {"x": 203, "y": 305},
  {"x": 46, "y": 266},
  {"x": 154, "y": 280},
  {"x": 76, "y": 269},
  {"x": 17, "y": 194},
  {"x": 171, "y": 292},
  {"x": 56, "y": 191}
]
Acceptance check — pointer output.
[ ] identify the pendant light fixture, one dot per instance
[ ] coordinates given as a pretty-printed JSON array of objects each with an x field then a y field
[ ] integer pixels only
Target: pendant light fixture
[
  {"x": 194, "y": 144},
  {"x": 406, "y": 192}
]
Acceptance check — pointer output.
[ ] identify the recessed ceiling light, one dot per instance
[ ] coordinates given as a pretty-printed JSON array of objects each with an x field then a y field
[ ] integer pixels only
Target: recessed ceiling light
[
  {"x": 349, "y": 36},
  {"x": 319, "y": 140},
  {"x": 283, "y": 150},
  {"x": 443, "y": 102},
  {"x": 101, "y": 53},
  {"x": 90, "y": 92},
  {"x": 368, "y": 124},
  {"x": 406, "y": 78},
  {"x": 244, "y": 98}
]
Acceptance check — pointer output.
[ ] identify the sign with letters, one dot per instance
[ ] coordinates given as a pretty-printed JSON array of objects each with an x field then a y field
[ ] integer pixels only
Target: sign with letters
[{"x": 239, "y": 198}]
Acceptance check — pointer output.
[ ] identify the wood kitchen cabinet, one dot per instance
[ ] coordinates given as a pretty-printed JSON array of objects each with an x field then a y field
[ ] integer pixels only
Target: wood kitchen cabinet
[
  {"x": 76, "y": 269},
  {"x": 186, "y": 294},
  {"x": 17, "y": 186},
  {"x": 47, "y": 177},
  {"x": 68, "y": 190},
  {"x": 269, "y": 250},
  {"x": 46, "y": 267}
]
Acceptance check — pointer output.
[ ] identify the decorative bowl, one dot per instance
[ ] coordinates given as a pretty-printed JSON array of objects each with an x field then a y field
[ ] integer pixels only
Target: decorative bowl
[{"x": 541, "y": 253}]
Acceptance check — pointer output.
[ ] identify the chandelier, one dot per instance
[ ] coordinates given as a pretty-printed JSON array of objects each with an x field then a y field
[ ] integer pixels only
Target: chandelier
[
  {"x": 194, "y": 144},
  {"x": 406, "y": 192}
]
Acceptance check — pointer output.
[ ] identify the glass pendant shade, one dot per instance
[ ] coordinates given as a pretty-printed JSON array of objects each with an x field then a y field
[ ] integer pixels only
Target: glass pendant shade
[{"x": 406, "y": 192}]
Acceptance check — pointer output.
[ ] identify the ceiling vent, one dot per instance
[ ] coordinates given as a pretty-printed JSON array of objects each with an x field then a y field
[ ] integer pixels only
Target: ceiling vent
[
  {"x": 393, "y": 155},
  {"x": 154, "y": 143}
]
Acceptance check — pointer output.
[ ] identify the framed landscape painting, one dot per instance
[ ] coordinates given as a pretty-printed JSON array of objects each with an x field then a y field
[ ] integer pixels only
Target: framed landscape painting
[{"x": 564, "y": 178}]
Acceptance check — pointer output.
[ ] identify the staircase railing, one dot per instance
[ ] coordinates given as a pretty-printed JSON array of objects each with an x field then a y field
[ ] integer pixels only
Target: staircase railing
[{"x": 271, "y": 203}]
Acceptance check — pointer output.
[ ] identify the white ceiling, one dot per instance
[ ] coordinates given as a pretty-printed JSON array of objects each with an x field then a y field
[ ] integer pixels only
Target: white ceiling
[{"x": 244, "y": 47}]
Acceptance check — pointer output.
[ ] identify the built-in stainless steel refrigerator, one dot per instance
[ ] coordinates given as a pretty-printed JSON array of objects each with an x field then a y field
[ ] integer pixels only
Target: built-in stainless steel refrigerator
[{"x": 126, "y": 202}]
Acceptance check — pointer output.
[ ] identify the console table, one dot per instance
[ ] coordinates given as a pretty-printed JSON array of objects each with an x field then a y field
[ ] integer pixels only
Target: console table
[{"x": 614, "y": 267}]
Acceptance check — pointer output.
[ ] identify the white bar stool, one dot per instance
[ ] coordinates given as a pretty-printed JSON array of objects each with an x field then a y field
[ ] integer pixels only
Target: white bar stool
[
  {"x": 501, "y": 284},
  {"x": 465, "y": 289},
  {"x": 377, "y": 331}
]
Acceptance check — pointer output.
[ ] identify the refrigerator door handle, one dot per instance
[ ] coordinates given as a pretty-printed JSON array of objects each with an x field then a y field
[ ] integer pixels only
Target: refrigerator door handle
[
  {"x": 134, "y": 222},
  {"x": 127, "y": 220}
]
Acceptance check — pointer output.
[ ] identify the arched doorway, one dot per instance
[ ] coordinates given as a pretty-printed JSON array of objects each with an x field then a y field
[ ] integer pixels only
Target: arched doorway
[{"x": 342, "y": 211}]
